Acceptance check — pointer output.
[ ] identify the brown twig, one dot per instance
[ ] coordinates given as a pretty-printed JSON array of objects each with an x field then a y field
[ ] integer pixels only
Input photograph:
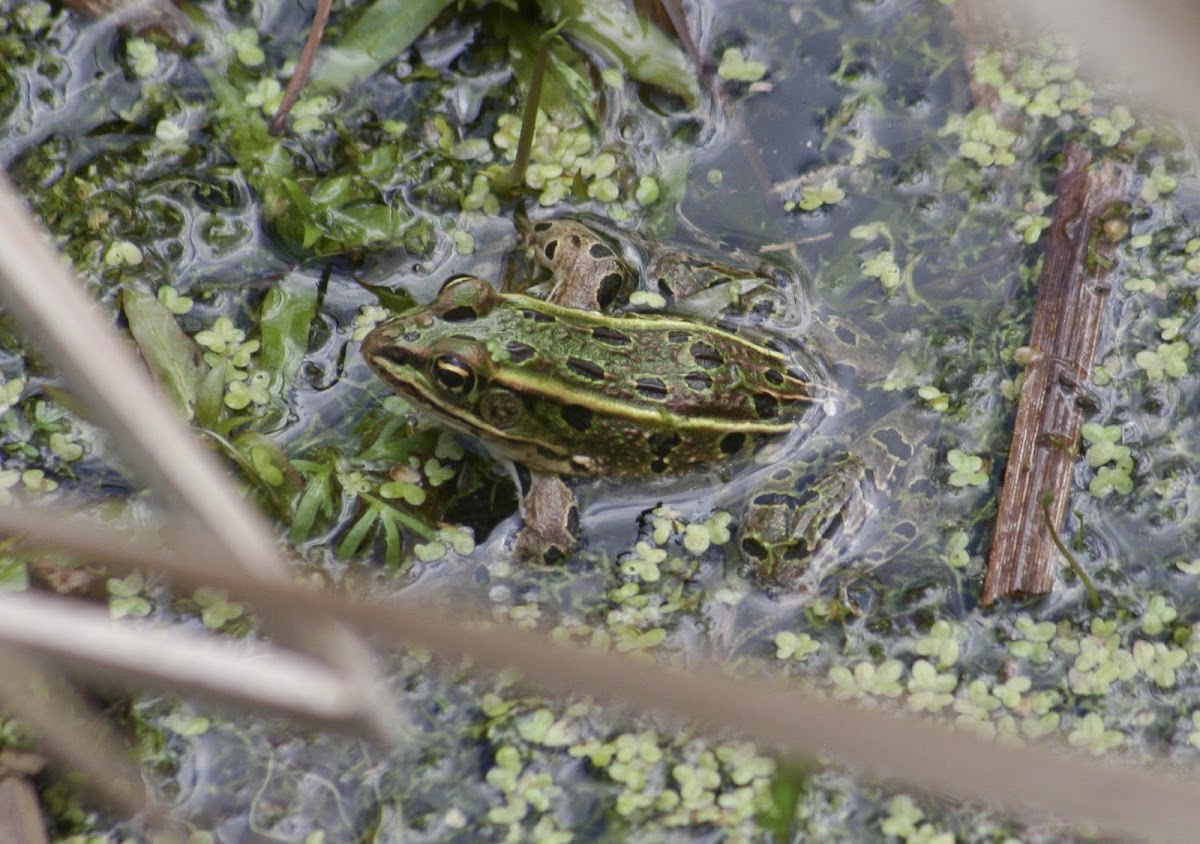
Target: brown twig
[
  {"x": 1066, "y": 326},
  {"x": 307, "y": 57}
]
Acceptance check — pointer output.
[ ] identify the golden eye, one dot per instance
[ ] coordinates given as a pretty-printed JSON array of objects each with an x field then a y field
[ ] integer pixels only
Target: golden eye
[{"x": 453, "y": 373}]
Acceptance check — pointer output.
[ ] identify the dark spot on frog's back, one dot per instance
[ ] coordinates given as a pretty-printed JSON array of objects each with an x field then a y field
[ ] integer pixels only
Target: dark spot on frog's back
[
  {"x": 732, "y": 443},
  {"x": 773, "y": 376},
  {"x": 610, "y": 287},
  {"x": 586, "y": 368},
  {"x": 652, "y": 388},
  {"x": 519, "y": 352},
  {"x": 611, "y": 336},
  {"x": 577, "y": 416},
  {"x": 894, "y": 442},
  {"x": 776, "y": 499},
  {"x": 698, "y": 381},
  {"x": 543, "y": 227},
  {"x": 663, "y": 444},
  {"x": 537, "y": 316},
  {"x": 599, "y": 250},
  {"x": 766, "y": 405},
  {"x": 706, "y": 355},
  {"x": 754, "y": 549},
  {"x": 907, "y": 530},
  {"x": 678, "y": 336},
  {"x": 549, "y": 249}
]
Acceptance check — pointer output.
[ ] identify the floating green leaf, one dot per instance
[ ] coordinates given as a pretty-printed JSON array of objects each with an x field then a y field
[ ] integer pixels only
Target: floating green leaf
[
  {"x": 384, "y": 30},
  {"x": 287, "y": 315}
]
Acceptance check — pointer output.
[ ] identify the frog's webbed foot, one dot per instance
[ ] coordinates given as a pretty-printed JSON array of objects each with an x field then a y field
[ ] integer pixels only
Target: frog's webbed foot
[
  {"x": 760, "y": 294},
  {"x": 792, "y": 533},
  {"x": 551, "y": 516}
]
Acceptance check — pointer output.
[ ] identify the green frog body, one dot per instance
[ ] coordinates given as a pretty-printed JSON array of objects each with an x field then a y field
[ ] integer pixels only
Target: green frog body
[{"x": 580, "y": 382}]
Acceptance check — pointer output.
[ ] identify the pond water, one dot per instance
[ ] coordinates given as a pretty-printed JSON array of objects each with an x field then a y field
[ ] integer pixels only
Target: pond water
[{"x": 849, "y": 153}]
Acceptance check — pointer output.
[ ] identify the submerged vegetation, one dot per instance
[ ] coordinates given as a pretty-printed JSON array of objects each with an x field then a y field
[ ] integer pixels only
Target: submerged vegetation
[{"x": 247, "y": 268}]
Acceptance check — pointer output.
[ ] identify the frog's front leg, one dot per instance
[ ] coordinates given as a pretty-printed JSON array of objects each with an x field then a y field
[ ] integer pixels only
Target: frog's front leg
[{"x": 551, "y": 517}]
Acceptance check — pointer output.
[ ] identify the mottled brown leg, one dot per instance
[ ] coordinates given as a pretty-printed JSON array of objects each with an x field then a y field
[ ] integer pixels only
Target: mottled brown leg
[{"x": 551, "y": 516}]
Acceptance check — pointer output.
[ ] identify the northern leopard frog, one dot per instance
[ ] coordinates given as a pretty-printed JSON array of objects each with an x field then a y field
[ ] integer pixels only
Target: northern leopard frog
[{"x": 579, "y": 382}]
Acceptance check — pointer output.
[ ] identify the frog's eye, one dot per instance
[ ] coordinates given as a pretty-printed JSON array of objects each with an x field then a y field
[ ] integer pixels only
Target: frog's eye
[{"x": 454, "y": 374}]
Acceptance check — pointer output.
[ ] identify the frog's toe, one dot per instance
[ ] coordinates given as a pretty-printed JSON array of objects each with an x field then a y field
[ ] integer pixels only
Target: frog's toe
[{"x": 549, "y": 544}]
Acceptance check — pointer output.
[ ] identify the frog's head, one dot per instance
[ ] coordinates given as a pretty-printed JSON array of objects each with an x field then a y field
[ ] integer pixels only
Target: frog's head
[
  {"x": 438, "y": 356},
  {"x": 428, "y": 353}
]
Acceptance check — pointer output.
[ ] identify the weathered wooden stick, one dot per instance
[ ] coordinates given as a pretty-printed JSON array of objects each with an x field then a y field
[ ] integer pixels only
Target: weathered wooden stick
[{"x": 1066, "y": 326}]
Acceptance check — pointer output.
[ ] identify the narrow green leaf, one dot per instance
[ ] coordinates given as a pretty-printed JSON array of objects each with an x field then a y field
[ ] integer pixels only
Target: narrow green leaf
[
  {"x": 787, "y": 786},
  {"x": 316, "y": 499},
  {"x": 385, "y": 29},
  {"x": 210, "y": 397},
  {"x": 425, "y": 531},
  {"x": 285, "y": 320},
  {"x": 173, "y": 357},
  {"x": 354, "y": 537},
  {"x": 391, "y": 535}
]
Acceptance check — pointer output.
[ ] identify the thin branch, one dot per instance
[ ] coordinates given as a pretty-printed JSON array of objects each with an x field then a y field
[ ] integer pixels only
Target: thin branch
[
  {"x": 303, "y": 68},
  {"x": 1066, "y": 327},
  {"x": 256, "y": 676}
]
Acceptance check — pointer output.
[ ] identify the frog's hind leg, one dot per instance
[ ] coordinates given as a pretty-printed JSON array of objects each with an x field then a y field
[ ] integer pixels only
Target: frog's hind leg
[{"x": 795, "y": 529}]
